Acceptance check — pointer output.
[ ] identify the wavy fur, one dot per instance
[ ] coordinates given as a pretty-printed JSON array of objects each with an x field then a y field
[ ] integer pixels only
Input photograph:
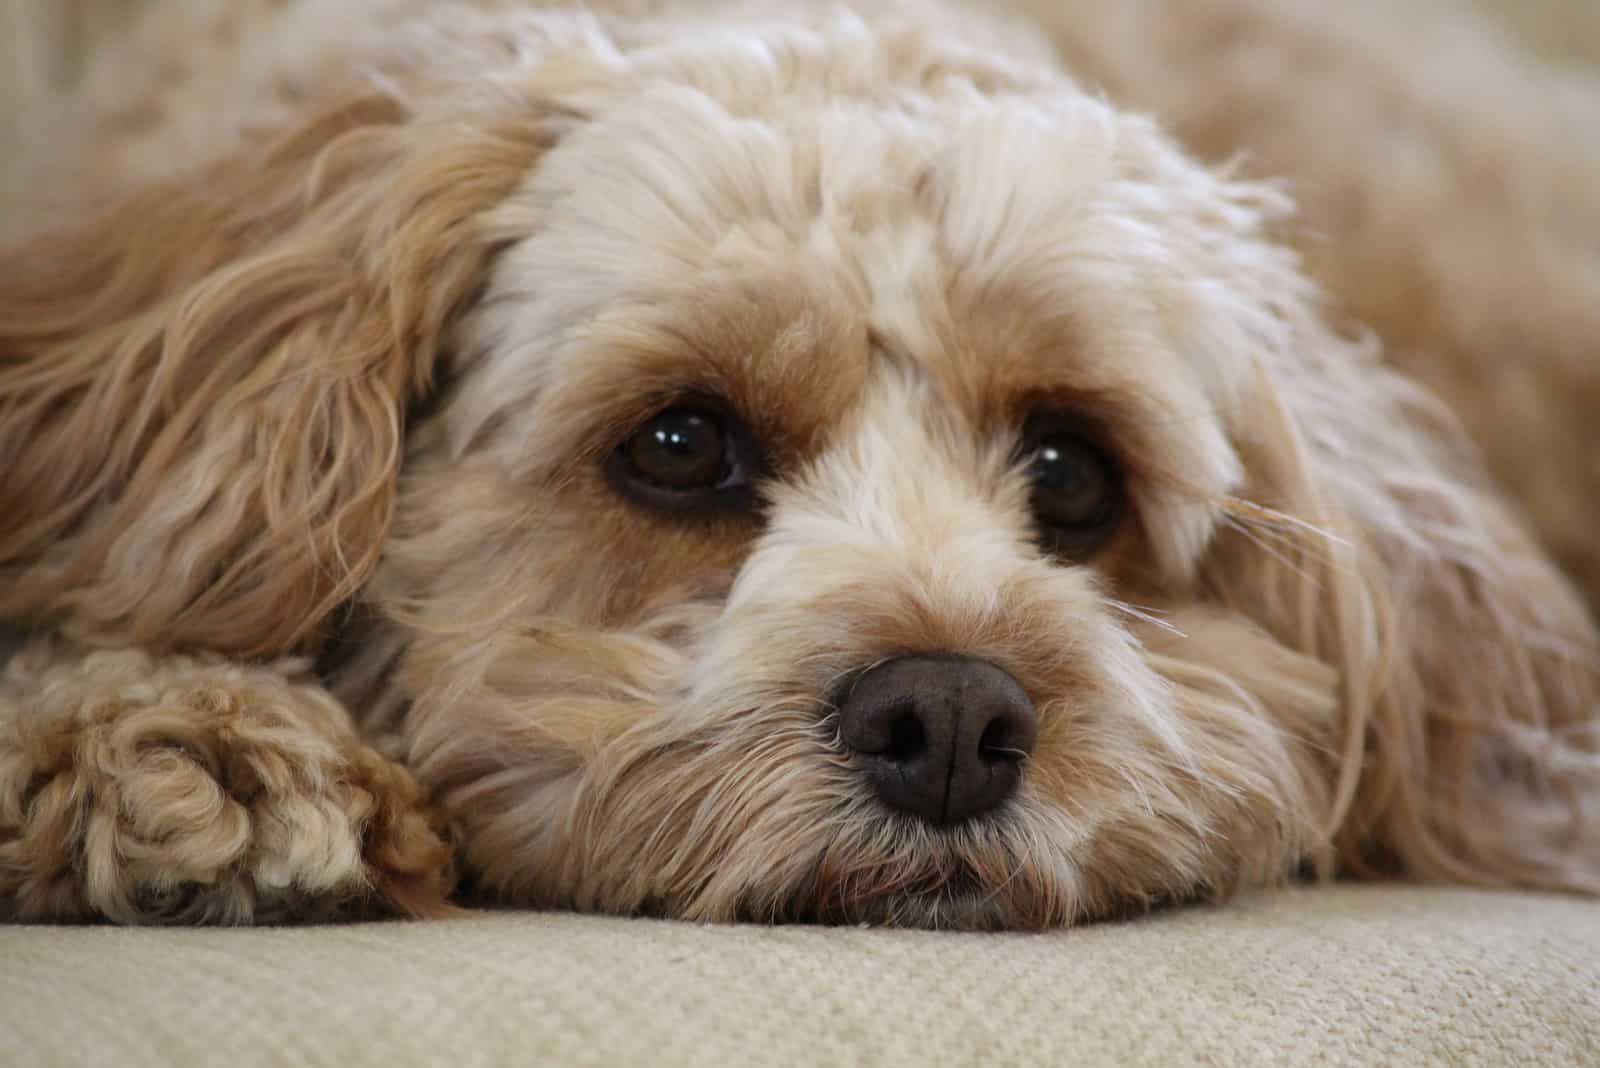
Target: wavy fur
[{"x": 346, "y": 391}]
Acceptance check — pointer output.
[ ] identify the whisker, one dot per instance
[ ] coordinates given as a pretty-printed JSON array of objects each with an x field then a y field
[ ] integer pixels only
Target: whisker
[{"x": 1144, "y": 615}]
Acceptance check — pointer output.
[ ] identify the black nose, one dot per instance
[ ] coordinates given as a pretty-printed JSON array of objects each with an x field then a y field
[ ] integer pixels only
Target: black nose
[{"x": 941, "y": 737}]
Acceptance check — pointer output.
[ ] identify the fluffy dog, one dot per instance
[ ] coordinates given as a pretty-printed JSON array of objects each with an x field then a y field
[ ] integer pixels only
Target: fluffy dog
[{"x": 789, "y": 463}]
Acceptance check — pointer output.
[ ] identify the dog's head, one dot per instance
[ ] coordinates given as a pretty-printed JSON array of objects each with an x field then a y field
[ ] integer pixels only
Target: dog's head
[{"x": 810, "y": 472}]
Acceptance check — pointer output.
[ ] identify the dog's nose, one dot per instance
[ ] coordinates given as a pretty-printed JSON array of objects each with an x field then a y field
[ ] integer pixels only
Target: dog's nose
[{"x": 940, "y": 737}]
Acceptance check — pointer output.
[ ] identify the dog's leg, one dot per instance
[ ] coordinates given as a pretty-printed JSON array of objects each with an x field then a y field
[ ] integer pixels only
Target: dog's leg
[{"x": 196, "y": 790}]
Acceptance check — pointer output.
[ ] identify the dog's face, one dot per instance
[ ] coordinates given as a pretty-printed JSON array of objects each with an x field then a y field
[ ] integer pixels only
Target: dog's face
[
  {"x": 816, "y": 525},
  {"x": 859, "y": 479}
]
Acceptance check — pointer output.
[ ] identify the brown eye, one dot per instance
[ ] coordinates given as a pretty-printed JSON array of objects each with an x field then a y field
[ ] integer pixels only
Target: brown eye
[
  {"x": 685, "y": 458},
  {"x": 680, "y": 449},
  {"x": 1077, "y": 492}
]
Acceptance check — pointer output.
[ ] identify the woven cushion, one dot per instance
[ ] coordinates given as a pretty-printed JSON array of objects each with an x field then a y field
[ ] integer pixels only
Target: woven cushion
[{"x": 1342, "y": 975}]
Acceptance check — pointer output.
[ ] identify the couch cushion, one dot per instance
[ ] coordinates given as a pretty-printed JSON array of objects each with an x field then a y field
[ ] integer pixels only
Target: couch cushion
[{"x": 1340, "y": 975}]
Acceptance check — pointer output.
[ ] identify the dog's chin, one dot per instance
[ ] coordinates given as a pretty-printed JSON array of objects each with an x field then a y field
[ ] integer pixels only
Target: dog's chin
[
  {"x": 963, "y": 902},
  {"x": 960, "y": 900},
  {"x": 967, "y": 901},
  {"x": 972, "y": 877}
]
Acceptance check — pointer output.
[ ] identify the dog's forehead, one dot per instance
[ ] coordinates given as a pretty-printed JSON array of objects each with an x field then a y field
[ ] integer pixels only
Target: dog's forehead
[
  {"x": 1005, "y": 247},
  {"x": 980, "y": 238}
]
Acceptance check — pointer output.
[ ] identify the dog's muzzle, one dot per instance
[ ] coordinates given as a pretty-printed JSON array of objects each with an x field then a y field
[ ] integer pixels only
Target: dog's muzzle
[{"x": 942, "y": 738}]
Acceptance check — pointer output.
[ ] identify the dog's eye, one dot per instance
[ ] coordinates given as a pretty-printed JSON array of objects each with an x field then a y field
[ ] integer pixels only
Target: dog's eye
[
  {"x": 1077, "y": 491},
  {"x": 680, "y": 449},
  {"x": 685, "y": 458}
]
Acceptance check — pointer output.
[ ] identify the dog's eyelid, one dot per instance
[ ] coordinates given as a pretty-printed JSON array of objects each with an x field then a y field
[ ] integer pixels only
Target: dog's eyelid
[
  {"x": 1074, "y": 418},
  {"x": 1080, "y": 496},
  {"x": 622, "y": 416},
  {"x": 688, "y": 418}
]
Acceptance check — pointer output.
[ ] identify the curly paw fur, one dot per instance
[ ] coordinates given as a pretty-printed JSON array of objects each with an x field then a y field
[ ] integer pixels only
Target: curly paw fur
[{"x": 183, "y": 791}]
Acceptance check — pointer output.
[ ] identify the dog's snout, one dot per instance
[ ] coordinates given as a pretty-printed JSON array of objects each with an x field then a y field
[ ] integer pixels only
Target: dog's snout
[{"x": 940, "y": 737}]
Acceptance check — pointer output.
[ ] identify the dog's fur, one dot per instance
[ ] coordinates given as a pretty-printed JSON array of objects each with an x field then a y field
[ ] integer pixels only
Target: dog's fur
[{"x": 304, "y": 432}]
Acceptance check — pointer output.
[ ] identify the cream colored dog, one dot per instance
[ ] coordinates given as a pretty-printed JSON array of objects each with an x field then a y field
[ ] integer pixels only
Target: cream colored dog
[{"x": 782, "y": 462}]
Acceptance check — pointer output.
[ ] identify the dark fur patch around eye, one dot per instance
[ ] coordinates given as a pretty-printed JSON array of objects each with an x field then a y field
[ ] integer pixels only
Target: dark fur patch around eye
[
  {"x": 11, "y": 642},
  {"x": 691, "y": 458},
  {"x": 1078, "y": 490}
]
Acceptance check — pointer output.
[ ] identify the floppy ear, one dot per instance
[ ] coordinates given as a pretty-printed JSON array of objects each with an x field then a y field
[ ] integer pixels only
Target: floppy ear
[
  {"x": 203, "y": 392},
  {"x": 1470, "y": 667}
]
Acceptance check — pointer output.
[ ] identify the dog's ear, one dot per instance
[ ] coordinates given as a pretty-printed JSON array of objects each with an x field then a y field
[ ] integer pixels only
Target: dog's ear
[
  {"x": 203, "y": 391},
  {"x": 1469, "y": 665}
]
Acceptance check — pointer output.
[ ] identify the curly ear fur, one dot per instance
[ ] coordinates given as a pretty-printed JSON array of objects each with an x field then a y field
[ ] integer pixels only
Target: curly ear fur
[
  {"x": 203, "y": 391},
  {"x": 1473, "y": 254},
  {"x": 1470, "y": 667}
]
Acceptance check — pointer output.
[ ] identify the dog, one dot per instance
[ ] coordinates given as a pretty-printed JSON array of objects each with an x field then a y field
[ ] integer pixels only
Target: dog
[{"x": 794, "y": 463}]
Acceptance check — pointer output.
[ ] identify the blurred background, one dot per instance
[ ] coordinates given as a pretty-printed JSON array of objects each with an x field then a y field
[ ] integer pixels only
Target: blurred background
[
  {"x": 43, "y": 42},
  {"x": 44, "y": 45},
  {"x": 48, "y": 38}
]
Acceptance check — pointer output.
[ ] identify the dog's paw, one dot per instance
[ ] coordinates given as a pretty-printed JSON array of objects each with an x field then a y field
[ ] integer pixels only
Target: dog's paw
[{"x": 205, "y": 794}]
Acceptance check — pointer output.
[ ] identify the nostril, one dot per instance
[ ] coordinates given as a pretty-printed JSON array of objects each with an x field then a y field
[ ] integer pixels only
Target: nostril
[
  {"x": 908, "y": 739},
  {"x": 1002, "y": 741}
]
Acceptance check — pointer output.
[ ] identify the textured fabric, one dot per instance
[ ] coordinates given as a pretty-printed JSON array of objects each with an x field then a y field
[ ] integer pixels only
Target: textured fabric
[{"x": 1339, "y": 976}]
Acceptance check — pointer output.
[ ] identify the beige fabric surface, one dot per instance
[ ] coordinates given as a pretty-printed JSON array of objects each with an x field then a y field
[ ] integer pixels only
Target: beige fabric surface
[{"x": 1348, "y": 975}]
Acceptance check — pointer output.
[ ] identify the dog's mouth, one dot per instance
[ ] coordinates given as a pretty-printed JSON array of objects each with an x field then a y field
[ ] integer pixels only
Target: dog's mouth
[
  {"x": 954, "y": 896},
  {"x": 965, "y": 901}
]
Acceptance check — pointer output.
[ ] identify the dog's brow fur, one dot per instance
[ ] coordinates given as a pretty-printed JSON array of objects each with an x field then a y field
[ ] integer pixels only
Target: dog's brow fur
[
  {"x": 307, "y": 499},
  {"x": 782, "y": 357}
]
